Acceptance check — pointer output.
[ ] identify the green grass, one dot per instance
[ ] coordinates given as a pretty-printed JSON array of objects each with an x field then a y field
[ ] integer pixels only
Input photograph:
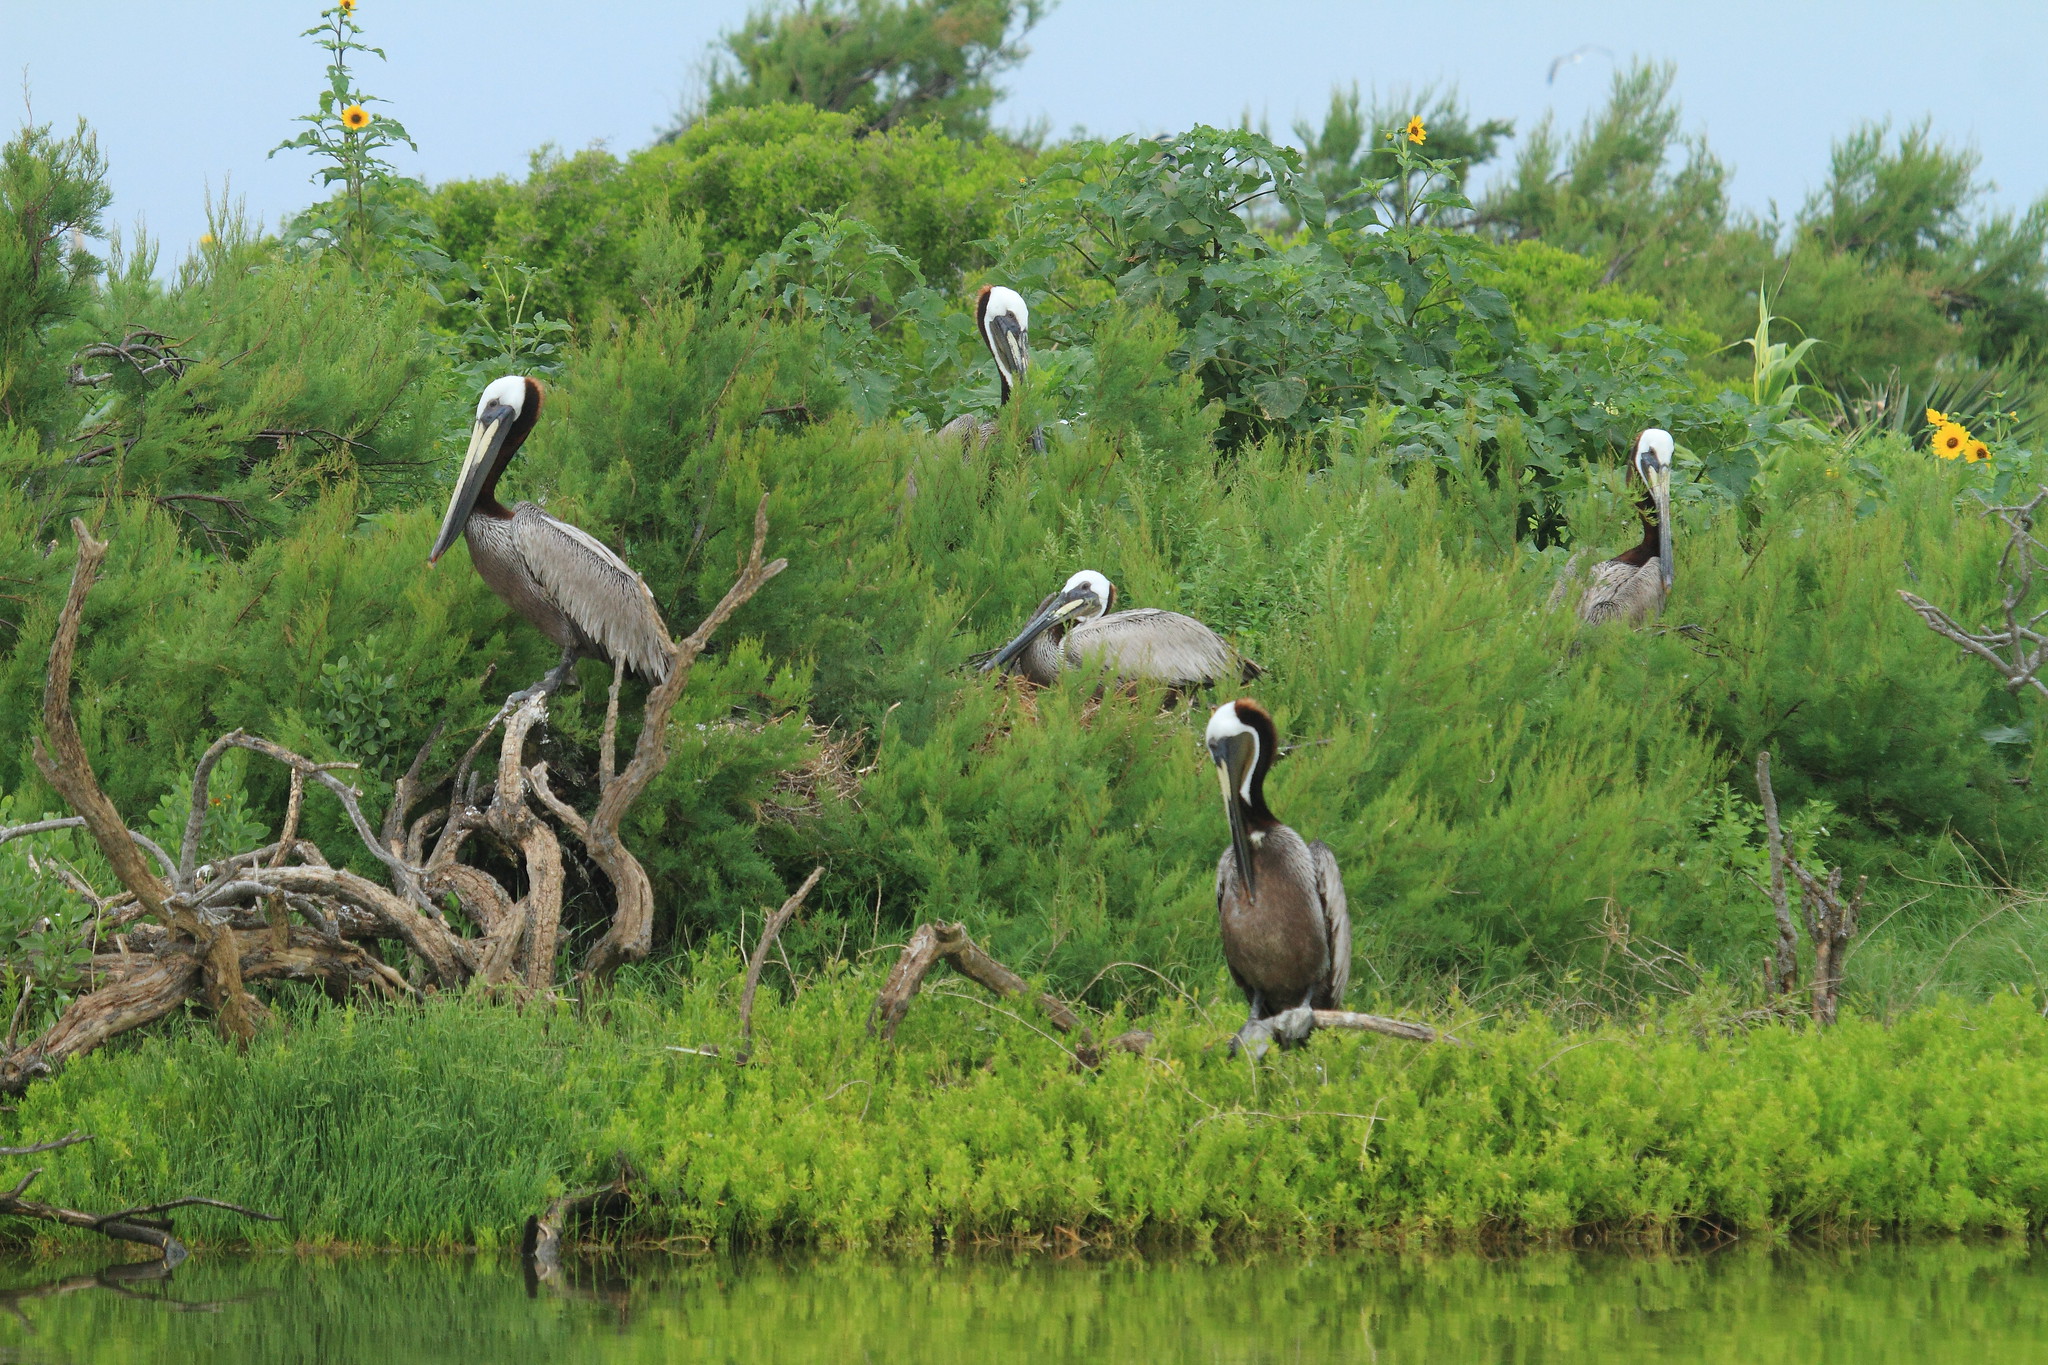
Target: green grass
[{"x": 446, "y": 1125}]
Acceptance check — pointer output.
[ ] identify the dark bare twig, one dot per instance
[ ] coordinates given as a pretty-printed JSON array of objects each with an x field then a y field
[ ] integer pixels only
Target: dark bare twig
[
  {"x": 759, "y": 959},
  {"x": 1784, "y": 979},
  {"x": 70, "y": 1139}
]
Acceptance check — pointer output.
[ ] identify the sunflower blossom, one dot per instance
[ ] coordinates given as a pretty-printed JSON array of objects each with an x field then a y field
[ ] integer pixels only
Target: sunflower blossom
[
  {"x": 1977, "y": 452},
  {"x": 1416, "y": 132},
  {"x": 1936, "y": 419},
  {"x": 355, "y": 117},
  {"x": 1951, "y": 441}
]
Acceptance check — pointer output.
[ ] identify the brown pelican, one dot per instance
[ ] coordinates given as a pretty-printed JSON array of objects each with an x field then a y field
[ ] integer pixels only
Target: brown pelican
[
  {"x": 1632, "y": 586},
  {"x": 1070, "y": 631},
  {"x": 580, "y": 594},
  {"x": 1005, "y": 324},
  {"x": 1286, "y": 928}
]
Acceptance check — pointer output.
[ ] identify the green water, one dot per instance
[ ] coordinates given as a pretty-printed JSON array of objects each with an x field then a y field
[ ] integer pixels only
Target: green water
[{"x": 1980, "y": 1304}]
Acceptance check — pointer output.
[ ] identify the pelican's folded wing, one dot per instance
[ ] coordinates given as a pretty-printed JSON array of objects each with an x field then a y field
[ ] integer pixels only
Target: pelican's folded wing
[
  {"x": 1336, "y": 923},
  {"x": 608, "y": 601}
]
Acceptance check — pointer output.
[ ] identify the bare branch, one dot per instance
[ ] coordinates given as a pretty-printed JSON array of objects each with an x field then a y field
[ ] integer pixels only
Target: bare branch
[
  {"x": 70, "y": 1139},
  {"x": 632, "y": 927},
  {"x": 64, "y": 761},
  {"x": 759, "y": 959},
  {"x": 1785, "y": 956}
]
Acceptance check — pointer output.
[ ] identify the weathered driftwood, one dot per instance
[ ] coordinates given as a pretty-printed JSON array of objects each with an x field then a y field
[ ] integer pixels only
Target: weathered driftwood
[
  {"x": 144, "y": 1223},
  {"x": 932, "y": 943},
  {"x": 1380, "y": 1023},
  {"x": 935, "y": 943},
  {"x": 184, "y": 931},
  {"x": 769, "y": 931},
  {"x": 2019, "y": 650},
  {"x": 1830, "y": 920}
]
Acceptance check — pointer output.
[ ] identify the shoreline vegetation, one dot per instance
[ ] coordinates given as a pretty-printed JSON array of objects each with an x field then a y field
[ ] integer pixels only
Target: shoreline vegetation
[
  {"x": 1361, "y": 426},
  {"x": 447, "y": 1125}
]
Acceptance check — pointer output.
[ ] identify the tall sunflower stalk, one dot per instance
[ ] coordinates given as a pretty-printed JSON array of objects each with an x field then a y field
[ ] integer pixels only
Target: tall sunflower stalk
[{"x": 348, "y": 138}]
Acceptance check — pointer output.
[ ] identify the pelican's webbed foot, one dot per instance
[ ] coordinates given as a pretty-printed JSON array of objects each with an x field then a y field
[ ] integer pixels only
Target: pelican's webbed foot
[
  {"x": 560, "y": 678},
  {"x": 1289, "y": 1028}
]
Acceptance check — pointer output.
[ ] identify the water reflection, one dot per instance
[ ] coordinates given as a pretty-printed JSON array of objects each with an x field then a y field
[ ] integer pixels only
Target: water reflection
[{"x": 1876, "y": 1304}]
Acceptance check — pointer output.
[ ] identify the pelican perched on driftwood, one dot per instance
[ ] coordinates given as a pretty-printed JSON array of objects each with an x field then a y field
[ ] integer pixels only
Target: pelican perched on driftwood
[
  {"x": 1286, "y": 927},
  {"x": 1632, "y": 586},
  {"x": 1005, "y": 326},
  {"x": 1074, "y": 629},
  {"x": 580, "y": 594}
]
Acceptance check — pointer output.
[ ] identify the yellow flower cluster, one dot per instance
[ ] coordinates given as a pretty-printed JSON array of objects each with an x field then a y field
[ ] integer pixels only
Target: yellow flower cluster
[{"x": 1952, "y": 440}]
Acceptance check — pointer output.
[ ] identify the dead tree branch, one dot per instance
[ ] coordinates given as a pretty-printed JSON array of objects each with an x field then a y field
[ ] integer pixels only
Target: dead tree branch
[
  {"x": 1783, "y": 978},
  {"x": 63, "y": 761},
  {"x": 144, "y": 1224},
  {"x": 632, "y": 928},
  {"x": 2020, "y": 649},
  {"x": 759, "y": 960},
  {"x": 1830, "y": 920}
]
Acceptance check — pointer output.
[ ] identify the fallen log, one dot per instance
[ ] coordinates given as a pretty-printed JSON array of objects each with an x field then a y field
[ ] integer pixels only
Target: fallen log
[{"x": 144, "y": 1223}]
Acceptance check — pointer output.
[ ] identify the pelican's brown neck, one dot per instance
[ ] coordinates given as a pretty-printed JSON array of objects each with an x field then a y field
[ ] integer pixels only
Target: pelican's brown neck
[{"x": 487, "y": 503}]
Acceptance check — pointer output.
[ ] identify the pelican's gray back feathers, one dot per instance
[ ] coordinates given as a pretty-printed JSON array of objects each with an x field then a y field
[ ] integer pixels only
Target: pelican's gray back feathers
[
  {"x": 1148, "y": 642},
  {"x": 1619, "y": 591},
  {"x": 571, "y": 585}
]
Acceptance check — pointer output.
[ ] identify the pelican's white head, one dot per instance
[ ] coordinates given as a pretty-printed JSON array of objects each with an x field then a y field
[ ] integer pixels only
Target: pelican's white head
[
  {"x": 1654, "y": 449},
  {"x": 508, "y": 392},
  {"x": 1005, "y": 324},
  {"x": 1103, "y": 590},
  {"x": 1222, "y": 737}
]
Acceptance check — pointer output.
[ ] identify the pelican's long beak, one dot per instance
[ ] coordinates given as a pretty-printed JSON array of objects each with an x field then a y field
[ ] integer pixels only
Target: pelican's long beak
[
  {"x": 1012, "y": 352},
  {"x": 1233, "y": 756},
  {"x": 1660, "y": 493},
  {"x": 485, "y": 441},
  {"x": 1059, "y": 609}
]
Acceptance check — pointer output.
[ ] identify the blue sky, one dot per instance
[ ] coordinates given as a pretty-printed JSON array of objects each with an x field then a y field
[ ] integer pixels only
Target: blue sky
[{"x": 187, "y": 97}]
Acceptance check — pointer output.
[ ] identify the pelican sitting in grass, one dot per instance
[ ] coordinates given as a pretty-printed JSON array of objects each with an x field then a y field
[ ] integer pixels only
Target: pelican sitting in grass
[
  {"x": 1075, "y": 629},
  {"x": 1286, "y": 927},
  {"x": 1632, "y": 586}
]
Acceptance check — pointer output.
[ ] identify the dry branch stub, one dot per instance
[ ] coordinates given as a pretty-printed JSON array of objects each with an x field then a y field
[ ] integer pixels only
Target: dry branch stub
[{"x": 220, "y": 926}]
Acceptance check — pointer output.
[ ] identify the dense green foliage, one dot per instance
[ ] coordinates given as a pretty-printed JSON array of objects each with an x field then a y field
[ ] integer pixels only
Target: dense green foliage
[
  {"x": 447, "y": 1126},
  {"x": 1363, "y": 447}
]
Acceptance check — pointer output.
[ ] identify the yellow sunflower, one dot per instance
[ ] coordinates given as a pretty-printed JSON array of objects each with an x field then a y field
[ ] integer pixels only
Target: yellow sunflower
[
  {"x": 1978, "y": 451},
  {"x": 355, "y": 117},
  {"x": 1951, "y": 440},
  {"x": 1416, "y": 132},
  {"x": 1936, "y": 419},
  {"x": 348, "y": 6}
]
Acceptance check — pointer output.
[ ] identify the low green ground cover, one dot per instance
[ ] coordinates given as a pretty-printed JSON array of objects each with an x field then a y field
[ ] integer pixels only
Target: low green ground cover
[{"x": 446, "y": 1125}]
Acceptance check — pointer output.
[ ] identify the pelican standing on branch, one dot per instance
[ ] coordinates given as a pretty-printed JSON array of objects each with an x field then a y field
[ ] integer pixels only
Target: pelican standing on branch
[
  {"x": 1073, "y": 628},
  {"x": 580, "y": 594},
  {"x": 1286, "y": 927},
  {"x": 1005, "y": 326},
  {"x": 1632, "y": 586}
]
